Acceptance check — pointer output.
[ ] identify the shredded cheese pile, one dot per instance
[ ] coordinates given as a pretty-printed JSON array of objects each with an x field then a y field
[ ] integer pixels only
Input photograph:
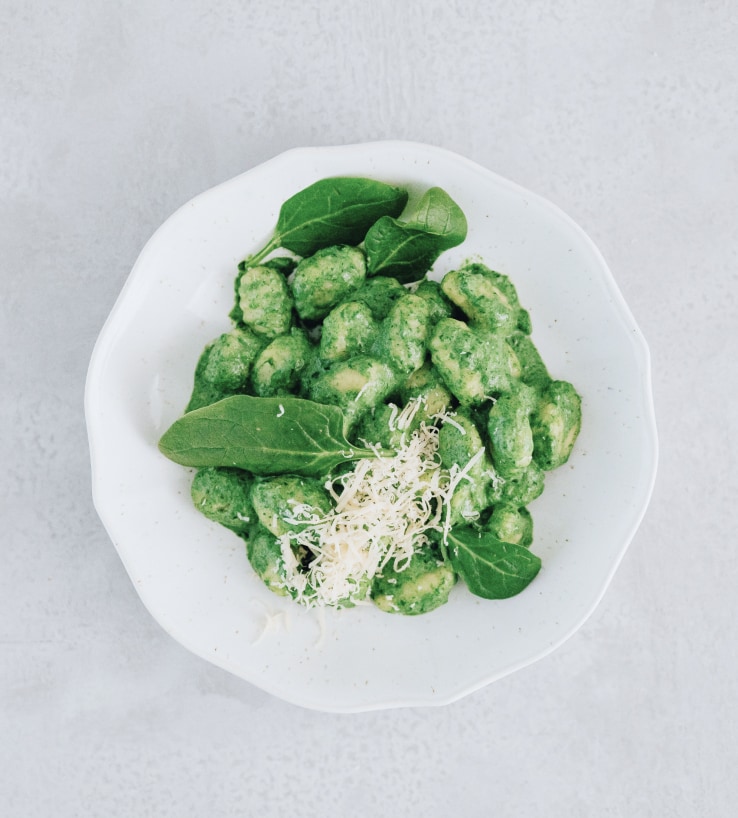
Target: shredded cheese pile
[{"x": 383, "y": 512}]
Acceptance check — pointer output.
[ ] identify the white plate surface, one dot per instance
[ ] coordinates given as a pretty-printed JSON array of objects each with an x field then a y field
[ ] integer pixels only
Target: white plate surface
[{"x": 193, "y": 575}]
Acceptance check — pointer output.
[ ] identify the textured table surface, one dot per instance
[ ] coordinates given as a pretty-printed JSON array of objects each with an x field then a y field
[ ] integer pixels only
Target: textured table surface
[{"x": 113, "y": 115}]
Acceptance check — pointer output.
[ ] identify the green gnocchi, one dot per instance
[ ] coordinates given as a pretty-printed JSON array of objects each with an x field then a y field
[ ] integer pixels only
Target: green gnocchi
[{"x": 439, "y": 378}]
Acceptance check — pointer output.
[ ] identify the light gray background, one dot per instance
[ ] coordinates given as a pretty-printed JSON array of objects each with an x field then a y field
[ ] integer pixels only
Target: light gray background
[{"x": 113, "y": 115}]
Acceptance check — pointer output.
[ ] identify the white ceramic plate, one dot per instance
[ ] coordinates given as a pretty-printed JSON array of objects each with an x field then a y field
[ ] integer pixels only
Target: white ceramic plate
[{"x": 193, "y": 575}]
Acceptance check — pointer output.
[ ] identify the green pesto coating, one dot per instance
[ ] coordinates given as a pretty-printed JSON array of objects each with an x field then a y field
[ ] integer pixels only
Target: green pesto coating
[
  {"x": 277, "y": 369},
  {"x": 534, "y": 372},
  {"x": 423, "y": 585},
  {"x": 203, "y": 392},
  {"x": 264, "y": 552},
  {"x": 426, "y": 383},
  {"x": 230, "y": 359},
  {"x": 379, "y": 294},
  {"x": 556, "y": 423},
  {"x": 509, "y": 429},
  {"x": 457, "y": 448},
  {"x": 383, "y": 427},
  {"x": 224, "y": 496},
  {"x": 374, "y": 427},
  {"x": 469, "y": 501},
  {"x": 473, "y": 364},
  {"x": 440, "y": 306},
  {"x": 511, "y": 524},
  {"x": 314, "y": 369},
  {"x": 265, "y": 301},
  {"x": 524, "y": 324},
  {"x": 275, "y": 498},
  {"x": 325, "y": 279},
  {"x": 356, "y": 385},
  {"x": 404, "y": 335},
  {"x": 349, "y": 329},
  {"x": 282, "y": 264},
  {"x": 517, "y": 488},
  {"x": 487, "y": 298}
]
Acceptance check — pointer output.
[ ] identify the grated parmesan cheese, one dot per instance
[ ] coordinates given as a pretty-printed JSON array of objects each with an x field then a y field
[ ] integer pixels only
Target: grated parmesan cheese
[
  {"x": 449, "y": 419},
  {"x": 383, "y": 512}
]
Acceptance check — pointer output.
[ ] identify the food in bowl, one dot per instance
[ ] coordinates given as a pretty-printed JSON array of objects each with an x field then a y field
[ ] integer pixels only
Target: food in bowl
[{"x": 373, "y": 434}]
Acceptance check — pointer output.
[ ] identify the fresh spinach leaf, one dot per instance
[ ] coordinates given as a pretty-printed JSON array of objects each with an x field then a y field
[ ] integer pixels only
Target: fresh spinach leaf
[
  {"x": 394, "y": 249},
  {"x": 407, "y": 249},
  {"x": 491, "y": 568},
  {"x": 263, "y": 436},
  {"x": 331, "y": 211},
  {"x": 438, "y": 214}
]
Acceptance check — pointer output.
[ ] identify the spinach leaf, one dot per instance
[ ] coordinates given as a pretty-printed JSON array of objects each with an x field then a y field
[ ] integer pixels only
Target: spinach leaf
[
  {"x": 438, "y": 214},
  {"x": 491, "y": 568},
  {"x": 338, "y": 210},
  {"x": 263, "y": 436},
  {"x": 407, "y": 249},
  {"x": 393, "y": 249}
]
